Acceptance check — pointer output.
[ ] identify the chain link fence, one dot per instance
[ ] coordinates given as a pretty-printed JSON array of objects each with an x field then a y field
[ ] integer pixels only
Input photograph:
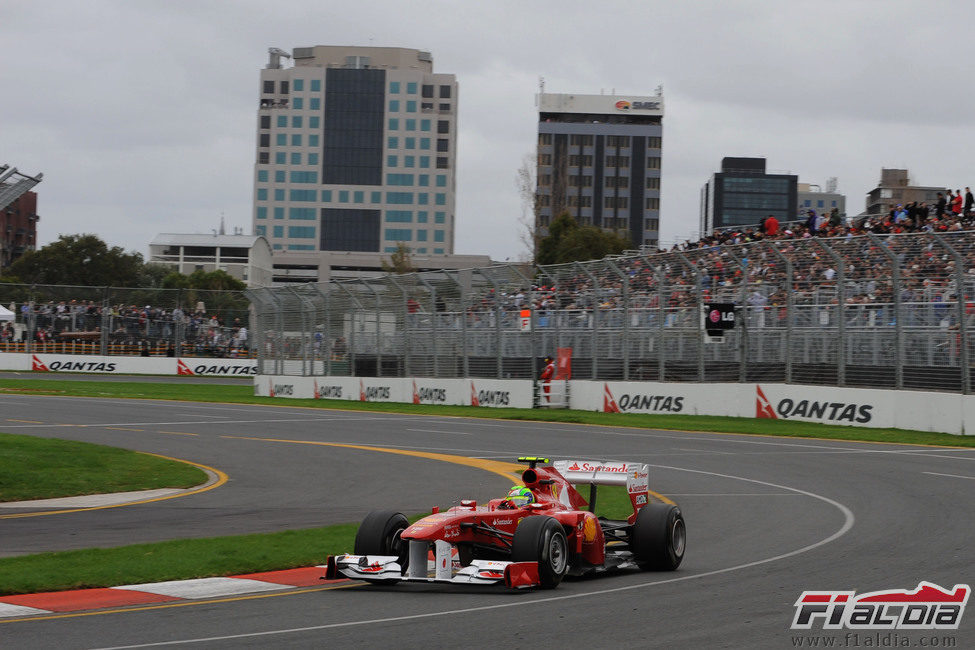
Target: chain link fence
[
  {"x": 124, "y": 321},
  {"x": 893, "y": 311}
]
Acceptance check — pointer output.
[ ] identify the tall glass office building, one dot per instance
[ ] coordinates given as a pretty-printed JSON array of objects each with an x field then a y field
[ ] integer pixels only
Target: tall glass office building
[
  {"x": 356, "y": 151},
  {"x": 599, "y": 159}
]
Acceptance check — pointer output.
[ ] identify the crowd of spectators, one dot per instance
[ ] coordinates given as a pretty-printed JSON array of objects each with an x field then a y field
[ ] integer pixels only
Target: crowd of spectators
[{"x": 150, "y": 330}]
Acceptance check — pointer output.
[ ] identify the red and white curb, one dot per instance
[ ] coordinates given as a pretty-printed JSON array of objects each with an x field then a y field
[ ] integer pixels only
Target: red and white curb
[{"x": 55, "y": 602}]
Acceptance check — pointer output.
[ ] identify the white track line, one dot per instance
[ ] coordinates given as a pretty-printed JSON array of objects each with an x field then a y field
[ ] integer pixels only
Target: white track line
[
  {"x": 847, "y": 525},
  {"x": 951, "y": 475}
]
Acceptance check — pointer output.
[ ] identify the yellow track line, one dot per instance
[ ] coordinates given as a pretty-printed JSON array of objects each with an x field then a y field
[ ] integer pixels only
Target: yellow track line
[{"x": 221, "y": 479}]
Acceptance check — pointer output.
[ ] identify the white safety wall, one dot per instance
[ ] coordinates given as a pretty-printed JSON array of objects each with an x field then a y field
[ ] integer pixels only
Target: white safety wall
[{"x": 55, "y": 363}]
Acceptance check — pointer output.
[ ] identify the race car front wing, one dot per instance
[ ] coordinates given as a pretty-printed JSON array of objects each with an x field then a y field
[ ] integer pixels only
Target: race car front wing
[{"x": 387, "y": 568}]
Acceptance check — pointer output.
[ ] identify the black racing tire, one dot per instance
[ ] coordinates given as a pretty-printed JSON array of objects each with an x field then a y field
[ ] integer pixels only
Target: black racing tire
[
  {"x": 379, "y": 534},
  {"x": 541, "y": 539},
  {"x": 659, "y": 537}
]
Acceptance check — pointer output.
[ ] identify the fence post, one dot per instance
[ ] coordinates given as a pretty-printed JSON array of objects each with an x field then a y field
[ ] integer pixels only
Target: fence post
[
  {"x": 961, "y": 298},
  {"x": 895, "y": 278},
  {"x": 700, "y": 308},
  {"x": 789, "y": 307},
  {"x": 841, "y": 310},
  {"x": 626, "y": 317}
]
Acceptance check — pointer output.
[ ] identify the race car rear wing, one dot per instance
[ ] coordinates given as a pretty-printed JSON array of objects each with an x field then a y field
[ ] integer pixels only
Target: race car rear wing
[{"x": 635, "y": 476}]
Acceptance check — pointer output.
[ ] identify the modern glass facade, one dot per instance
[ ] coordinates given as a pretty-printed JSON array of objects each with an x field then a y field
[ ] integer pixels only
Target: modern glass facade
[
  {"x": 742, "y": 193},
  {"x": 347, "y": 138}
]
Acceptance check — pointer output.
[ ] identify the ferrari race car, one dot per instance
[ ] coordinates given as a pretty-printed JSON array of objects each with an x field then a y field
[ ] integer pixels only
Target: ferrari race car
[{"x": 535, "y": 536}]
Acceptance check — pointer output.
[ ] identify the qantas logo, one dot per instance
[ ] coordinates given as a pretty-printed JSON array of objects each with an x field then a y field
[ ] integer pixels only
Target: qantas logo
[
  {"x": 183, "y": 369},
  {"x": 641, "y": 402},
  {"x": 813, "y": 409},
  {"x": 929, "y": 607},
  {"x": 37, "y": 365}
]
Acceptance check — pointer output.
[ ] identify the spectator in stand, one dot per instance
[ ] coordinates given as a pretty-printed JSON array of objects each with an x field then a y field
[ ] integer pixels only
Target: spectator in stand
[
  {"x": 969, "y": 203},
  {"x": 771, "y": 226},
  {"x": 956, "y": 203},
  {"x": 939, "y": 207},
  {"x": 811, "y": 222}
]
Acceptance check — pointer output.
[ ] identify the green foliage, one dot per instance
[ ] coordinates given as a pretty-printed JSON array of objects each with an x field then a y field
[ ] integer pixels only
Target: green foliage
[
  {"x": 399, "y": 261},
  {"x": 567, "y": 241},
  {"x": 80, "y": 260}
]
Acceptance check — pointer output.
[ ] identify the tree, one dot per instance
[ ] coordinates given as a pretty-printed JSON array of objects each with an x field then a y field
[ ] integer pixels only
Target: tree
[
  {"x": 399, "y": 261},
  {"x": 80, "y": 260},
  {"x": 525, "y": 181},
  {"x": 567, "y": 241}
]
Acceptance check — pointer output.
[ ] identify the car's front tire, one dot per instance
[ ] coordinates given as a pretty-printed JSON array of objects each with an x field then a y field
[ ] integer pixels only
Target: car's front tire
[
  {"x": 541, "y": 539},
  {"x": 379, "y": 534}
]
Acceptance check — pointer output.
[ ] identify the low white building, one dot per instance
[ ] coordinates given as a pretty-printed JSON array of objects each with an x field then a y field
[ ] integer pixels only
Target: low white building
[{"x": 245, "y": 257}]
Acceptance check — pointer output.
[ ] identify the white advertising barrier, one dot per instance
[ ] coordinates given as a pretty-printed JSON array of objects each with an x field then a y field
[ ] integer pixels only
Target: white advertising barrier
[
  {"x": 127, "y": 365},
  {"x": 497, "y": 393},
  {"x": 923, "y": 411}
]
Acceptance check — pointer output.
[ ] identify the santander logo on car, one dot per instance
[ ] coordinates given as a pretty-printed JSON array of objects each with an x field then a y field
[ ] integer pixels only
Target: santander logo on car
[{"x": 589, "y": 467}]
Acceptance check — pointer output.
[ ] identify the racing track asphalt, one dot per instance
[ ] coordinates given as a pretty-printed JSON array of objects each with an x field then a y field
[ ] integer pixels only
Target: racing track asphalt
[{"x": 767, "y": 518}]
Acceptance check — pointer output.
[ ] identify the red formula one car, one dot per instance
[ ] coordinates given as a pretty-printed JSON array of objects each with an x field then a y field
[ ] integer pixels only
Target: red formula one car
[{"x": 536, "y": 535}]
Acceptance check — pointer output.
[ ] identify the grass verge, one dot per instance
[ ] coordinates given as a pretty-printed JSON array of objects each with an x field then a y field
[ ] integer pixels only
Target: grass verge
[
  {"x": 43, "y": 468},
  {"x": 245, "y": 395},
  {"x": 202, "y": 558}
]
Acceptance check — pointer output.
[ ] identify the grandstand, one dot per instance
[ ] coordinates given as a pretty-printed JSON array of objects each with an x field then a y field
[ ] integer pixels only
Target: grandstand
[{"x": 878, "y": 310}]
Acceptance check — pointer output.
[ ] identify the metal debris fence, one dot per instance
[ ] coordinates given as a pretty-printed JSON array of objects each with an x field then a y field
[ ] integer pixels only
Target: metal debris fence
[
  {"x": 125, "y": 321},
  {"x": 893, "y": 311}
]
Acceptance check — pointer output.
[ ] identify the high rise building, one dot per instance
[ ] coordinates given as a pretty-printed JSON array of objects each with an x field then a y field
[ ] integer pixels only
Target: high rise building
[
  {"x": 742, "y": 193},
  {"x": 599, "y": 160},
  {"x": 356, "y": 151}
]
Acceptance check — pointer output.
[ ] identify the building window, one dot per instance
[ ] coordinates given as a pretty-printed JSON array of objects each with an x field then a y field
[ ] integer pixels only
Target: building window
[
  {"x": 443, "y": 126},
  {"x": 299, "y": 85},
  {"x": 653, "y": 203},
  {"x": 260, "y": 230},
  {"x": 296, "y": 121},
  {"x": 399, "y": 216},
  {"x": 265, "y": 140},
  {"x": 423, "y": 180},
  {"x": 358, "y": 197},
  {"x": 280, "y": 158},
  {"x": 268, "y": 87},
  {"x": 578, "y": 180},
  {"x": 411, "y": 88},
  {"x": 399, "y": 179},
  {"x": 410, "y": 125},
  {"x": 651, "y": 224},
  {"x": 438, "y": 235},
  {"x": 343, "y": 196},
  {"x": 421, "y": 235},
  {"x": 316, "y": 85},
  {"x": 410, "y": 143},
  {"x": 445, "y": 108},
  {"x": 262, "y": 176},
  {"x": 440, "y": 199},
  {"x": 616, "y": 202},
  {"x": 278, "y": 231},
  {"x": 544, "y": 200},
  {"x": 392, "y": 142},
  {"x": 300, "y": 247},
  {"x": 302, "y": 195},
  {"x": 313, "y": 122},
  {"x": 326, "y": 196},
  {"x": 313, "y": 159},
  {"x": 281, "y": 139},
  {"x": 315, "y": 104},
  {"x": 399, "y": 198},
  {"x": 653, "y": 162},
  {"x": 424, "y": 143},
  {"x": 425, "y": 162},
  {"x": 442, "y": 162},
  {"x": 313, "y": 140},
  {"x": 620, "y": 182},
  {"x": 393, "y": 87},
  {"x": 576, "y": 201},
  {"x": 278, "y": 175},
  {"x": 296, "y": 158},
  {"x": 427, "y": 91},
  {"x": 578, "y": 140},
  {"x": 617, "y": 161},
  {"x": 394, "y": 106},
  {"x": 544, "y": 180},
  {"x": 544, "y": 138},
  {"x": 424, "y": 125},
  {"x": 265, "y": 121},
  {"x": 279, "y": 194},
  {"x": 617, "y": 141},
  {"x": 441, "y": 180},
  {"x": 394, "y": 124},
  {"x": 653, "y": 183},
  {"x": 580, "y": 161},
  {"x": 279, "y": 213},
  {"x": 440, "y": 217},
  {"x": 302, "y": 214},
  {"x": 262, "y": 212},
  {"x": 304, "y": 177},
  {"x": 399, "y": 234},
  {"x": 284, "y": 87},
  {"x": 263, "y": 157},
  {"x": 653, "y": 142},
  {"x": 444, "y": 92},
  {"x": 411, "y": 106},
  {"x": 297, "y": 103},
  {"x": 422, "y": 198},
  {"x": 443, "y": 144},
  {"x": 375, "y": 197},
  {"x": 421, "y": 216},
  {"x": 295, "y": 139},
  {"x": 301, "y": 232},
  {"x": 409, "y": 161}
]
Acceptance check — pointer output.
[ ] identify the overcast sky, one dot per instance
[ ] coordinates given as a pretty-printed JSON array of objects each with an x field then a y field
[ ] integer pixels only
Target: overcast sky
[{"x": 142, "y": 114}]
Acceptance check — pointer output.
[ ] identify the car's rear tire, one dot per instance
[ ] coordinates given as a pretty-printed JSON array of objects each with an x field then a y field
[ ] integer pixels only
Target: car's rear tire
[
  {"x": 658, "y": 537},
  {"x": 541, "y": 539},
  {"x": 379, "y": 534}
]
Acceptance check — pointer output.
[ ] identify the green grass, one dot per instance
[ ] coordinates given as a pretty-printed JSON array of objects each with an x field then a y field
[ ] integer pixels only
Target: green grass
[
  {"x": 202, "y": 558},
  {"x": 42, "y": 468},
  {"x": 245, "y": 395}
]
